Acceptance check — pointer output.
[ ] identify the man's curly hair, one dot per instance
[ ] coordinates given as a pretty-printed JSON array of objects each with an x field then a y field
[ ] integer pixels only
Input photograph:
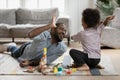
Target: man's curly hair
[{"x": 91, "y": 17}]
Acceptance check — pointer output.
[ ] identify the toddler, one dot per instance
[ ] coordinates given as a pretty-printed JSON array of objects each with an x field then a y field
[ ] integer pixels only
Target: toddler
[{"x": 90, "y": 40}]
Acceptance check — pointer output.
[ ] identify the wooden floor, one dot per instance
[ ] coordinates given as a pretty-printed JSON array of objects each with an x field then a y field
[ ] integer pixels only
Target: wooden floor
[{"x": 113, "y": 53}]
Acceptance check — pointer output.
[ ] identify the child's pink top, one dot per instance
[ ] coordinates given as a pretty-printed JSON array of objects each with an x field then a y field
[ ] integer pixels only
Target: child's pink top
[{"x": 90, "y": 40}]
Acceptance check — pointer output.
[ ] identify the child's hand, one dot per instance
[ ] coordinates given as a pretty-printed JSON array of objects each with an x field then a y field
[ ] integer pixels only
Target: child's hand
[{"x": 108, "y": 18}]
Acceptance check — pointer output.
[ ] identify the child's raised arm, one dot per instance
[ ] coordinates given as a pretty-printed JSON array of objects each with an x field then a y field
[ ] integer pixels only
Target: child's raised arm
[{"x": 108, "y": 18}]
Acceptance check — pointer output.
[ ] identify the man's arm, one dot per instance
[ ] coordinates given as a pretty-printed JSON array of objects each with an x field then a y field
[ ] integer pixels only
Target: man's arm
[
  {"x": 108, "y": 19},
  {"x": 34, "y": 62},
  {"x": 39, "y": 30}
]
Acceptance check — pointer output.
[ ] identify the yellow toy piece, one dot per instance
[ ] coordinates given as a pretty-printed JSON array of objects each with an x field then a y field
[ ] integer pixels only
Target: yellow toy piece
[
  {"x": 73, "y": 69},
  {"x": 55, "y": 70}
]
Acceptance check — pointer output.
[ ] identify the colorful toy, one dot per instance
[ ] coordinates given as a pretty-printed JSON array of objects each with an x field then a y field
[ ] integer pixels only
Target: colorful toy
[
  {"x": 73, "y": 69},
  {"x": 59, "y": 73},
  {"x": 55, "y": 70},
  {"x": 60, "y": 69},
  {"x": 44, "y": 58},
  {"x": 68, "y": 72},
  {"x": 30, "y": 69},
  {"x": 42, "y": 64}
]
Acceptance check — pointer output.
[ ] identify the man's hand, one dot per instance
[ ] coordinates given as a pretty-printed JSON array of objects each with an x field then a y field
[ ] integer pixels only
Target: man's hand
[
  {"x": 108, "y": 18},
  {"x": 52, "y": 25},
  {"x": 24, "y": 63}
]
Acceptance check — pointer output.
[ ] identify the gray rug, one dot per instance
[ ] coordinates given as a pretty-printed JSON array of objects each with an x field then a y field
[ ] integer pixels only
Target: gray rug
[{"x": 9, "y": 66}]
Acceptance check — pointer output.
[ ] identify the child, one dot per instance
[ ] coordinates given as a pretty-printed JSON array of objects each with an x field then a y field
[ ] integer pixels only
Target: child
[{"x": 90, "y": 40}]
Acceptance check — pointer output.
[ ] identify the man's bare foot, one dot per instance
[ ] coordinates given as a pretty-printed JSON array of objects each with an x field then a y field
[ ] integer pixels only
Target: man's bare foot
[
  {"x": 4, "y": 47},
  {"x": 84, "y": 67},
  {"x": 99, "y": 66}
]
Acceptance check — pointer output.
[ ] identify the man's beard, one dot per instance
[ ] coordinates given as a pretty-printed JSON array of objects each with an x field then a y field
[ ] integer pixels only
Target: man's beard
[{"x": 57, "y": 37}]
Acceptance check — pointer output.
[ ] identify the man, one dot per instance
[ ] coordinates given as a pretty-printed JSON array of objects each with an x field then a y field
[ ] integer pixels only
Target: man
[{"x": 30, "y": 54}]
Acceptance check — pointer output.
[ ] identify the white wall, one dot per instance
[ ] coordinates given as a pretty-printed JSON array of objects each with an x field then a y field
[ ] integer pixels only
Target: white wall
[{"x": 74, "y": 9}]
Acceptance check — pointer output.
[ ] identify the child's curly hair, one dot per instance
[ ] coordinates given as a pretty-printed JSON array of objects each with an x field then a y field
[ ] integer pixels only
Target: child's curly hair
[{"x": 91, "y": 17}]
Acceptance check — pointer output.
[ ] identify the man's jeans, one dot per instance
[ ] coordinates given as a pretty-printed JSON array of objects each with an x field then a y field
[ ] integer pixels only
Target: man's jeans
[
  {"x": 17, "y": 51},
  {"x": 14, "y": 51}
]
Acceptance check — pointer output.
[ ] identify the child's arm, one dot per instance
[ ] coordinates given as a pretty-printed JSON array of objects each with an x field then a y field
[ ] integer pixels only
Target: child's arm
[
  {"x": 76, "y": 37},
  {"x": 108, "y": 18}
]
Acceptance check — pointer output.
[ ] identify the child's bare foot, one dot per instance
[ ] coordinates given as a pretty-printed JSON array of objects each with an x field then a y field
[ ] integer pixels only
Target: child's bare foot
[
  {"x": 84, "y": 67},
  {"x": 99, "y": 66}
]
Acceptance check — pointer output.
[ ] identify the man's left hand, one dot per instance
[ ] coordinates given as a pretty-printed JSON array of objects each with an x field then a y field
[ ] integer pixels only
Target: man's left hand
[{"x": 24, "y": 63}]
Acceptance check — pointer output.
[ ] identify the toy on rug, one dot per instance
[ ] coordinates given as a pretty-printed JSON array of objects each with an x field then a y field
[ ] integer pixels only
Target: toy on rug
[
  {"x": 57, "y": 69},
  {"x": 30, "y": 69},
  {"x": 43, "y": 68}
]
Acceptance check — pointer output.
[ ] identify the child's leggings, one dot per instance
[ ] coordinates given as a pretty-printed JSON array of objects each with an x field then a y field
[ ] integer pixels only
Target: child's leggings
[{"x": 81, "y": 58}]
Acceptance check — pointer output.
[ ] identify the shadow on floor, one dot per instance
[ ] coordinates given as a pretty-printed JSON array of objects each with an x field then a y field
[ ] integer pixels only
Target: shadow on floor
[{"x": 106, "y": 47}]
